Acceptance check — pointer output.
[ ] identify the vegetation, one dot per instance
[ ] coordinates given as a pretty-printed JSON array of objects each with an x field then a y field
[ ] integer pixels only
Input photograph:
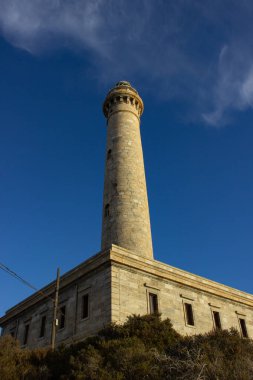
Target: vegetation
[{"x": 143, "y": 348}]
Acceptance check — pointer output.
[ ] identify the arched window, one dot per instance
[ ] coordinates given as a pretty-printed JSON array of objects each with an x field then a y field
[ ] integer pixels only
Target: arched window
[{"x": 107, "y": 210}]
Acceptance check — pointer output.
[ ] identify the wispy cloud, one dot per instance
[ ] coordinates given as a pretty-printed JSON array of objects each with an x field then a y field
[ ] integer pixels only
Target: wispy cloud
[
  {"x": 233, "y": 89},
  {"x": 198, "y": 51},
  {"x": 36, "y": 25}
]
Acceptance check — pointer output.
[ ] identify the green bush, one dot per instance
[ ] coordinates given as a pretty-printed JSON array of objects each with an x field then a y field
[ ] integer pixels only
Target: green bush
[
  {"x": 150, "y": 329},
  {"x": 143, "y": 348},
  {"x": 18, "y": 364}
]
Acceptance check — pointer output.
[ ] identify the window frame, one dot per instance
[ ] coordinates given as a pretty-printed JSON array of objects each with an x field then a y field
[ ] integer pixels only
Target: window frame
[
  {"x": 107, "y": 210},
  {"x": 26, "y": 333},
  {"x": 215, "y": 325},
  {"x": 243, "y": 327},
  {"x": 149, "y": 288},
  {"x": 43, "y": 324},
  {"x": 187, "y": 316},
  {"x": 109, "y": 154},
  {"x": 153, "y": 295},
  {"x": 12, "y": 332},
  {"x": 83, "y": 318},
  {"x": 60, "y": 316}
]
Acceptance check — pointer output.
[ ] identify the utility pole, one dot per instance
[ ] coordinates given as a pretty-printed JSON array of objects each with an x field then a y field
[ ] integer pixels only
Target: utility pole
[{"x": 55, "y": 321}]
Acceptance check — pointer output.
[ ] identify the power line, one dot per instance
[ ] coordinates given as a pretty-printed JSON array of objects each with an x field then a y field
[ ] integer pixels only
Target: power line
[
  {"x": 54, "y": 300},
  {"x": 15, "y": 275}
]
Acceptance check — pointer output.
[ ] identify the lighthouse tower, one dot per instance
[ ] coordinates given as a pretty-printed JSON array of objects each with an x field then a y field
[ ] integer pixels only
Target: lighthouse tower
[{"x": 125, "y": 220}]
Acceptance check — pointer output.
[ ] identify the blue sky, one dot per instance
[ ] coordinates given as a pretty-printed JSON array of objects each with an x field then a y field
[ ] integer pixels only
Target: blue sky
[{"x": 192, "y": 63}]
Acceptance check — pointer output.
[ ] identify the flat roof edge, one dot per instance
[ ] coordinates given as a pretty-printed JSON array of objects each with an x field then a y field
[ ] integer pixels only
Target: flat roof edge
[{"x": 157, "y": 268}]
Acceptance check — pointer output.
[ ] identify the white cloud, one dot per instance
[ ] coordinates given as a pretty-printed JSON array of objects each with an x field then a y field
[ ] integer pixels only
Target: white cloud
[
  {"x": 33, "y": 25},
  {"x": 233, "y": 89},
  {"x": 246, "y": 90},
  {"x": 196, "y": 51}
]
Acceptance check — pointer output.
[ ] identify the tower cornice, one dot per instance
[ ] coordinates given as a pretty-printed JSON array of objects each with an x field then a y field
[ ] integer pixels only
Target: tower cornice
[{"x": 122, "y": 93}]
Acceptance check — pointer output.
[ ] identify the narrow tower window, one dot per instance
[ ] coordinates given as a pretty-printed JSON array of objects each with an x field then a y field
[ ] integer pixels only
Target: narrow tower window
[
  {"x": 153, "y": 303},
  {"x": 243, "y": 327},
  {"x": 26, "y": 334},
  {"x": 43, "y": 326},
  {"x": 217, "y": 321},
  {"x": 189, "y": 314},
  {"x": 85, "y": 306},
  {"x": 107, "y": 210},
  {"x": 109, "y": 154}
]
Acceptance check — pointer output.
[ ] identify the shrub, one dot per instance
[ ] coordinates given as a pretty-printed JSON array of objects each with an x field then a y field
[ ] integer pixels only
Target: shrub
[
  {"x": 18, "y": 364},
  {"x": 150, "y": 329},
  {"x": 142, "y": 348}
]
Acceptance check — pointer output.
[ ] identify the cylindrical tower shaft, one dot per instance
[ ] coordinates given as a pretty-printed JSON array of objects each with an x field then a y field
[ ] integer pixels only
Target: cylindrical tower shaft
[{"x": 126, "y": 221}]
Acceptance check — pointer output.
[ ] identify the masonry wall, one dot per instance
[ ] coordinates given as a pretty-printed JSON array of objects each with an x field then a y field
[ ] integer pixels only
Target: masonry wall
[
  {"x": 130, "y": 295},
  {"x": 96, "y": 285},
  {"x": 117, "y": 290}
]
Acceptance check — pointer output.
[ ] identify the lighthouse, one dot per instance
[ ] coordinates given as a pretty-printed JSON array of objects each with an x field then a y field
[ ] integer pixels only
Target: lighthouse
[{"x": 125, "y": 219}]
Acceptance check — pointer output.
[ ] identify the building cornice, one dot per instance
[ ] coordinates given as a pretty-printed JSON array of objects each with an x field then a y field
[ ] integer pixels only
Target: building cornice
[{"x": 156, "y": 268}]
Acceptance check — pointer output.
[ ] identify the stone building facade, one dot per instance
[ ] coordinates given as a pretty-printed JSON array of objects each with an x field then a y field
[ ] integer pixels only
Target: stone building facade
[{"x": 123, "y": 278}]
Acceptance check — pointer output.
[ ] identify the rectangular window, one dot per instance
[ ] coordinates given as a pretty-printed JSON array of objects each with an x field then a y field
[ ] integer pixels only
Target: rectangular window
[
  {"x": 216, "y": 318},
  {"x": 12, "y": 333},
  {"x": 243, "y": 327},
  {"x": 85, "y": 306},
  {"x": 62, "y": 317},
  {"x": 189, "y": 314},
  {"x": 153, "y": 303},
  {"x": 43, "y": 326},
  {"x": 26, "y": 334}
]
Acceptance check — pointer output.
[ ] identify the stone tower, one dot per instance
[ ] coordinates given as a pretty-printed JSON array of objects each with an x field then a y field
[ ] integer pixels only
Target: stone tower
[{"x": 126, "y": 221}]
